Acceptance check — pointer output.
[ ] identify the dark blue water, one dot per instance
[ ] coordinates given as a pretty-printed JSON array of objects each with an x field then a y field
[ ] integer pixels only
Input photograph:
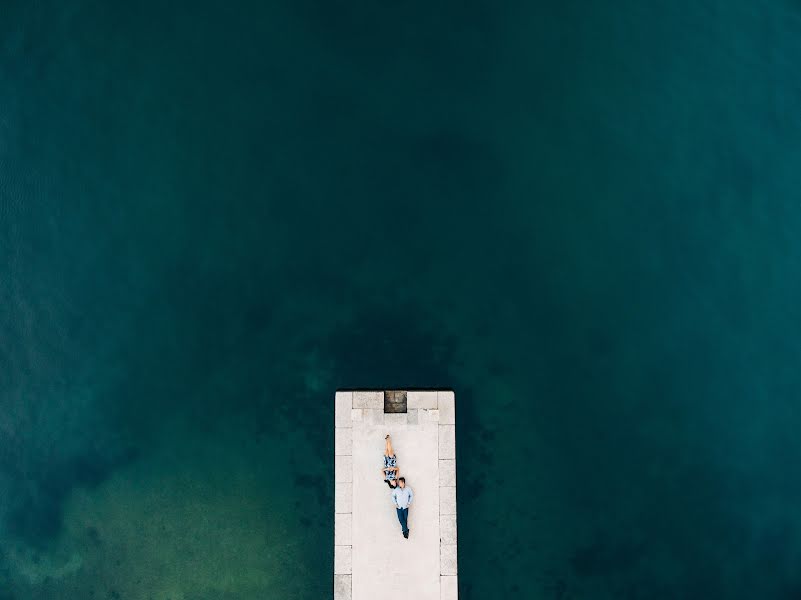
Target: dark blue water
[{"x": 583, "y": 217}]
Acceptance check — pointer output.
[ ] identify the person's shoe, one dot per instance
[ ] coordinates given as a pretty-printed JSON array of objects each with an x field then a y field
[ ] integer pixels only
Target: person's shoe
[{"x": 406, "y": 534}]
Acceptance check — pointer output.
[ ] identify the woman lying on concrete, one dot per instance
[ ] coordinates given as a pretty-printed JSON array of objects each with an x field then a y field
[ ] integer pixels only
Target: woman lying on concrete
[{"x": 390, "y": 471}]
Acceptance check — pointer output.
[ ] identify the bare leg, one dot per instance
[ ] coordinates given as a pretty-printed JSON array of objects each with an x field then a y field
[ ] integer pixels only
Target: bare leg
[{"x": 388, "y": 447}]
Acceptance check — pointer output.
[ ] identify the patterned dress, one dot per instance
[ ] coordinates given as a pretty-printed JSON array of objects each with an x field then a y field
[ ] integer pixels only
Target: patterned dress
[{"x": 389, "y": 461}]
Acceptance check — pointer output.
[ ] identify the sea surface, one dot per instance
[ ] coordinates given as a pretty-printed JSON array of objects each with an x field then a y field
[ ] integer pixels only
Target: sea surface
[{"x": 584, "y": 217}]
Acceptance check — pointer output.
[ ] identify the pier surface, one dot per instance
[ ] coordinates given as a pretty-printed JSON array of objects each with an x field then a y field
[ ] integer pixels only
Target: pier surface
[{"x": 372, "y": 559}]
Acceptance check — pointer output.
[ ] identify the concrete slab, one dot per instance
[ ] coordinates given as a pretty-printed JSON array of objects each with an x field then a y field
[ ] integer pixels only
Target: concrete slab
[
  {"x": 394, "y": 421},
  {"x": 421, "y": 399},
  {"x": 369, "y": 548},
  {"x": 448, "y": 587},
  {"x": 343, "y": 497},
  {"x": 343, "y": 469},
  {"x": 428, "y": 415},
  {"x": 343, "y": 529},
  {"x": 373, "y": 400},
  {"x": 342, "y": 560},
  {"x": 447, "y": 472},
  {"x": 447, "y": 559},
  {"x": 447, "y": 408},
  {"x": 447, "y": 500},
  {"x": 344, "y": 400},
  {"x": 374, "y": 417},
  {"x": 447, "y": 441},
  {"x": 343, "y": 440},
  {"x": 447, "y": 529},
  {"x": 343, "y": 587}
]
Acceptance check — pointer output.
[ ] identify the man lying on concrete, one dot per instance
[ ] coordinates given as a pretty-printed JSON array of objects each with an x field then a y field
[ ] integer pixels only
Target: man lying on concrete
[{"x": 402, "y": 496}]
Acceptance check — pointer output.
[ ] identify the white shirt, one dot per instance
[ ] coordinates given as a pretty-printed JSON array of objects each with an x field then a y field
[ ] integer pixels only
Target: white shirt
[{"x": 402, "y": 497}]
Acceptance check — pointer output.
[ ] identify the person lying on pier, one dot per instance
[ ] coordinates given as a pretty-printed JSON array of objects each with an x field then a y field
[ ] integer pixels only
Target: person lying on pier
[
  {"x": 402, "y": 497},
  {"x": 390, "y": 471}
]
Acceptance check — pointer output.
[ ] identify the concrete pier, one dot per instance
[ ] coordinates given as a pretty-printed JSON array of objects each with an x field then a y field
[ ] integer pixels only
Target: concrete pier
[{"x": 372, "y": 559}]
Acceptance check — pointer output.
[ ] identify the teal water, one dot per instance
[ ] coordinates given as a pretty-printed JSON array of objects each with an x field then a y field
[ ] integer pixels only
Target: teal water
[{"x": 583, "y": 217}]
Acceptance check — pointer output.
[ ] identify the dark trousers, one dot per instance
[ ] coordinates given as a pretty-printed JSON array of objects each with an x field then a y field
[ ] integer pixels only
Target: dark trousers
[{"x": 403, "y": 516}]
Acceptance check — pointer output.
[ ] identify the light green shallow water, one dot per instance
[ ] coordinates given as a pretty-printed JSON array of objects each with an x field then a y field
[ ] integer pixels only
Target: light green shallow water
[{"x": 584, "y": 219}]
